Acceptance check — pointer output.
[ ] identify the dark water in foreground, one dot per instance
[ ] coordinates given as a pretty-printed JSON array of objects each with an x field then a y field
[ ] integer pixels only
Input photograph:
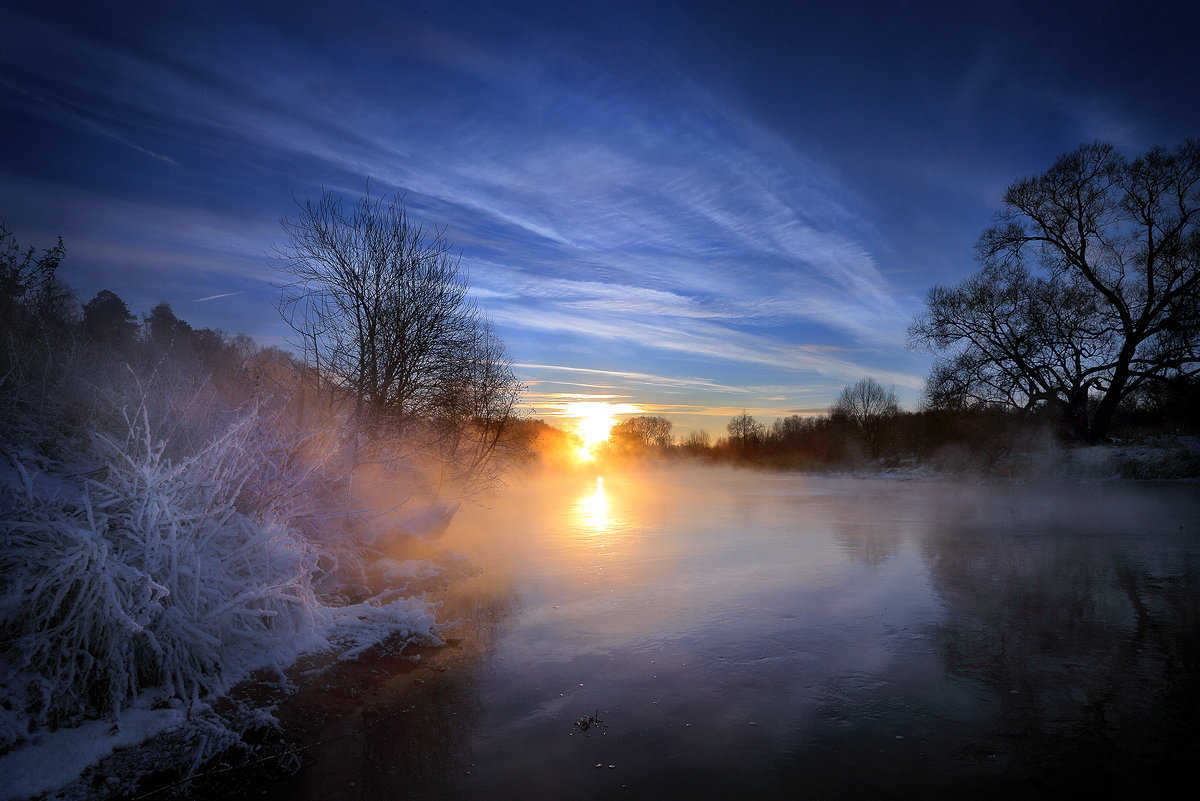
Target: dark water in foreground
[{"x": 768, "y": 636}]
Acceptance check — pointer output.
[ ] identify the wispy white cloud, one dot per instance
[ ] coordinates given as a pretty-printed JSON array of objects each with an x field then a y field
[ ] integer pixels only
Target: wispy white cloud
[
  {"x": 635, "y": 377},
  {"x": 663, "y": 220},
  {"x": 769, "y": 299},
  {"x": 84, "y": 120},
  {"x": 676, "y": 186},
  {"x": 702, "y": 338},
  {"x": 216, "y": 297},
  {"x": 654, "y": 391}
]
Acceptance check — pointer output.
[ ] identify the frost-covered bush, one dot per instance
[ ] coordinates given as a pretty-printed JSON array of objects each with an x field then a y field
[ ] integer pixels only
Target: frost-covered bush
[{"x": 158, "y": 572}]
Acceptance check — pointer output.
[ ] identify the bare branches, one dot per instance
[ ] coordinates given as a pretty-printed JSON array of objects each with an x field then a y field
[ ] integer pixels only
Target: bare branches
[
  {"x": 1088, "y": 288},
  {"x": 869, "y": 408},
  {"x": 377, "y": 306},
  {"x": 745, "y": 431},
  {"x": 382, "y": 314}
]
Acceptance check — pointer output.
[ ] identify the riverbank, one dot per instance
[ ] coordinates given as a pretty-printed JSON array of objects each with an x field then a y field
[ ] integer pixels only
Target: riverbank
[
  {"x": 1151, "y": 459},
  {"x": 261, "y": 730},
  {"x": 159, "y": 747},
  {"x": 157, "y": 739},
  {"x": 414, "y": 695}
]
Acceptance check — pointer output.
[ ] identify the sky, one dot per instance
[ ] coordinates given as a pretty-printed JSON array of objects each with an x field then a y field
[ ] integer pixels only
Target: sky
[{"x": 689, "y": 208}]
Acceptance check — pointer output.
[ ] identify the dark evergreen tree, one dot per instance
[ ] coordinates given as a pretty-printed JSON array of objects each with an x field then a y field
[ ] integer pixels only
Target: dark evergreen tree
[{"x": 106, "y": 318}]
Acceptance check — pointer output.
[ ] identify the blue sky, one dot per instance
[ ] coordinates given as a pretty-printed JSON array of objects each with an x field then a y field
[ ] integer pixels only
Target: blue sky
[{"x": 695, "y": 208}]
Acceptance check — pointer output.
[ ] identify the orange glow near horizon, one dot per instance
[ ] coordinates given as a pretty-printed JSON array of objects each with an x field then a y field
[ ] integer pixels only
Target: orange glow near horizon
[{"x": 593, "y": 422}]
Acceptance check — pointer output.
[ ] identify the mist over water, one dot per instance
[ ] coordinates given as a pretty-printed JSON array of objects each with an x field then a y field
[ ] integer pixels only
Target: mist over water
[{"x": 786, "y": 636}]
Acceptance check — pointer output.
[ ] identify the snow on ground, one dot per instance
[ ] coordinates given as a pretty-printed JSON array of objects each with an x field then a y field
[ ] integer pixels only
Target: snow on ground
[
  {"x": 54, "y": 759},
  {"x": 1162, "y": 458},
  {"x": 354, "y": 629},
  {"x": 1158, "y": 459},
  {"x": 144, "y": 587},
  {"x": 47, "y": 760},
  {"x": 408, "y": 569}
]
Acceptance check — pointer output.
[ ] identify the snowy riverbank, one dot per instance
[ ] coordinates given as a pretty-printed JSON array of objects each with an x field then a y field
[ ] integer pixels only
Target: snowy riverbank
[
  {"x": 175, "y": 739},
  {"x": 1156, "y": 459},
  {"x": 138, "y": 589}
]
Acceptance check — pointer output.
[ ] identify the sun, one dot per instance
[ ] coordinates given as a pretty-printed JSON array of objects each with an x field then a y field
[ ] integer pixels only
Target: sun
[{"x": 593, "y": 423}]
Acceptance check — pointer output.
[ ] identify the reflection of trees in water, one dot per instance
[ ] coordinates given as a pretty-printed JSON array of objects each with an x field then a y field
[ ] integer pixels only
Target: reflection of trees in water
[
  {"x": 1089, "y": 644},
  {"x": 865, "y": 539},
  {"x": 870, "y": 529}
]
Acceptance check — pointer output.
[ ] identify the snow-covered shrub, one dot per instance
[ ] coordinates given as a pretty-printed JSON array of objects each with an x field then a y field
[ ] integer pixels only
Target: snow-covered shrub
[
  {"x": 175, "y": 573},
  {"x": 354, "y": 628}
]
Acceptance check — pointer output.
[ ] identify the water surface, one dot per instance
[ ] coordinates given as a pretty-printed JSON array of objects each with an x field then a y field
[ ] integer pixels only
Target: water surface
[{"x": 778, "y": 636}]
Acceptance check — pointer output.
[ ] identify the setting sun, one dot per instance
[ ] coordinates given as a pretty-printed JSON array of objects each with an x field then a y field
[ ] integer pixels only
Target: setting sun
[{"x": 594, "y": 421}]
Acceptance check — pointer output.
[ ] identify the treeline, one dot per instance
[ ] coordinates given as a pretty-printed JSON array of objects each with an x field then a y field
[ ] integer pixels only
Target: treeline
[
  {"x": 866, "y": 429},
  {"x": 70, "y": 370},
  {"x": 973, "y": 441}
]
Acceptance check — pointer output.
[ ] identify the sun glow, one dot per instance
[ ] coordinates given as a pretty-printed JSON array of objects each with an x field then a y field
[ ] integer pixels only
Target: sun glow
[
  {"x": 594, "y": 508},
  {"x": 593, "y": 423}
]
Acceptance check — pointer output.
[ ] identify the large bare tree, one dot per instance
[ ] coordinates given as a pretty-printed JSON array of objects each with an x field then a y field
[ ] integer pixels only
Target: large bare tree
[
  {"x": 382, "y": 312},
  {"x": 379, "y": 308},
  {"x": 1089, "y": 290}
]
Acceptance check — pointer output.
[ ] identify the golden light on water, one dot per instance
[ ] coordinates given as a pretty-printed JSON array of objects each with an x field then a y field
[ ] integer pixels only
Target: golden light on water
[{"x": 593, "y": 508}]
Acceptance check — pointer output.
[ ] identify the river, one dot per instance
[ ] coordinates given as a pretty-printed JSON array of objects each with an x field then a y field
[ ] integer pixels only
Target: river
[{"x": 714, "y": 634}]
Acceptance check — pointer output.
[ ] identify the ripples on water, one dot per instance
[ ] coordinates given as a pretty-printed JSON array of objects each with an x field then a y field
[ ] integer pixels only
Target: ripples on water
[{"x": 779, "y": 636}]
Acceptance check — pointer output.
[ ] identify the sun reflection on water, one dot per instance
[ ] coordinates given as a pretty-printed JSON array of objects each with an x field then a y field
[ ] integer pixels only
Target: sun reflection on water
[{"x": 593, "y": 509}]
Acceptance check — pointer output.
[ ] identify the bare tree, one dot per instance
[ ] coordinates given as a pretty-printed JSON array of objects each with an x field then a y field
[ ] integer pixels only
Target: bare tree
[
  {"x": 38, "y": 350},
  {"x": 1090, "y": 288},
  {"x": 697, "y": 442},
  {"x": 379, "y": 309},
  {"x": 30, "y": 289},
  {"x": 870, "y": 409},
  {"x": 382, "y": 315},
  {"x": 474, "y": 414},
  {"x": 745, "y": 431},
  {"x": 641, "y": 433}
]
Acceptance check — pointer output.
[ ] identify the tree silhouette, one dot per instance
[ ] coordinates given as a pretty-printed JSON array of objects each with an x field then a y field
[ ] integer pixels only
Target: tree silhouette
[
  {"x": 30, "y": 290},
  {"x": 870, "y": 409},
  {"x": 166, "y": 331},
  {"x": 697, "y": 442},
  {"x": 1090, "y": 288},
  {"x": 641, "y": 433},
  {"x": 106, "y": 318},
  {"x": 383, "y": 319},
  {"x": 382, "y": 312},
  {"x": 744, "y": 431}
]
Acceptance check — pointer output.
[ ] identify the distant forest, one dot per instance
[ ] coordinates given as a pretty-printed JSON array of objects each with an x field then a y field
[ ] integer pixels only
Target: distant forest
[{"x": 866, "y": 430}]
